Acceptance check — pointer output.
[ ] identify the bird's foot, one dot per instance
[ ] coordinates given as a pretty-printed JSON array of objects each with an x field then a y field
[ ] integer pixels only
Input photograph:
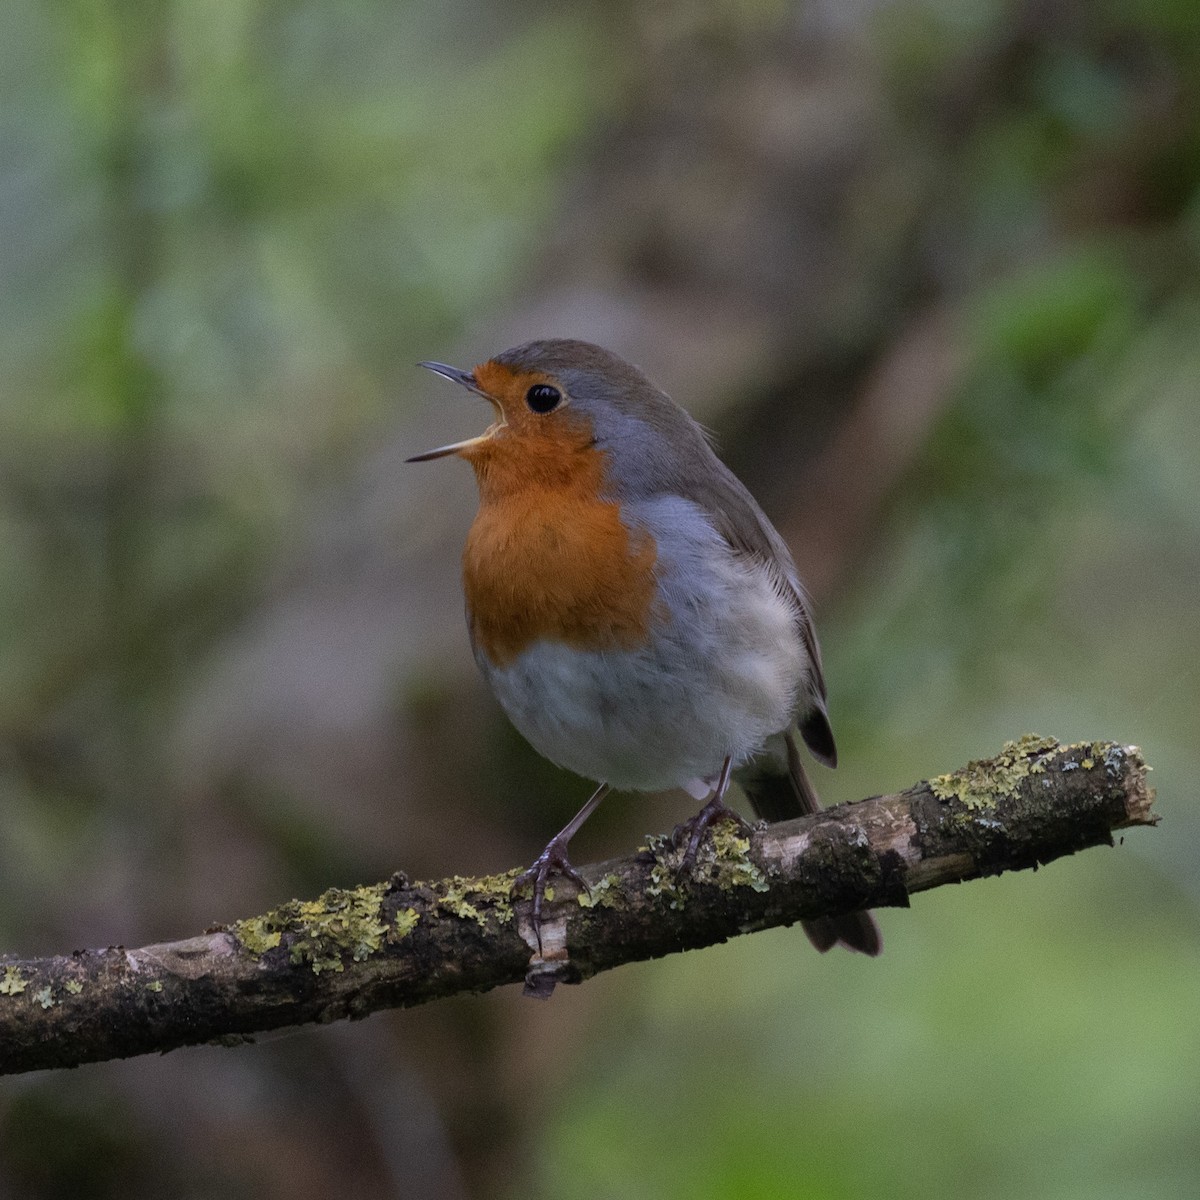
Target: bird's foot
[
  {"x": 551, "y": 860},
  {"x": 695, "y": 829}
]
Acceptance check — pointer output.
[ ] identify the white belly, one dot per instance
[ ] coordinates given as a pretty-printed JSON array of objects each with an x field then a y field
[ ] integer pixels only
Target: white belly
[{"x": 721, "y": 672}]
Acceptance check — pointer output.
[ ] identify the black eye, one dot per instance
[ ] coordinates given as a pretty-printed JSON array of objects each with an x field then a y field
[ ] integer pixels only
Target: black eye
[{"x": 543, "y": 398}]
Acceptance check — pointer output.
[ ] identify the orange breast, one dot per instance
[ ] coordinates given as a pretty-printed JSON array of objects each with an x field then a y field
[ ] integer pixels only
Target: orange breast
[{"x": 548, "y": 558}]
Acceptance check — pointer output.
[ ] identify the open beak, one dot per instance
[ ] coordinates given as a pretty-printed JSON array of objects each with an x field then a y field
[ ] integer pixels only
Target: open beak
[
  {"x": 455, "y": 375},
  {"x": 467, "y": 380}
]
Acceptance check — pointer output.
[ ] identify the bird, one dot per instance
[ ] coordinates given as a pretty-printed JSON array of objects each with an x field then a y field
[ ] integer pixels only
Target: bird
[{"x": 631, "y": 607}]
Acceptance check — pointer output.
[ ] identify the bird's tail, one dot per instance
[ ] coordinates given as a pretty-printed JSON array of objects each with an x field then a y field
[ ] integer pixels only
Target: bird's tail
[{"x": 779, "y": 793}]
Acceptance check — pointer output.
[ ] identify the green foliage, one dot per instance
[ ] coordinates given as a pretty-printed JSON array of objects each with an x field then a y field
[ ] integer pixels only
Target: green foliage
[{"x": 223, "y": 225}]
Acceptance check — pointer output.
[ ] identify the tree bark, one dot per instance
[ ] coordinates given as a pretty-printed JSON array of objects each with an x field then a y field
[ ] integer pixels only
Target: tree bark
[{"x": 397, "y": 943}]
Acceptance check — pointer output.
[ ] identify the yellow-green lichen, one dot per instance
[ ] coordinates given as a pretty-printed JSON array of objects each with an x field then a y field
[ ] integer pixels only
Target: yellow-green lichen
[
  {"x": 664, "y": 875},
  {"x": 73, "y": 986},
  {"x": 323, "y": 932},
  {"x": 259, "y": 934},
  {"x": 406, "y": 921},
  {"x": 731, "y": 866},
  {"x": 43, "y": 997},
  {"x": 12, "y": 984},
  {"x": 459, "y": 906},
  {"x": 664, "y": 882},
  {"x": 723, "y": 859},
  {"x": 601, "y": 894},
  {"x": 472, "y": 898},
  {"x": 154, "y": 985},
  {"x": 981, "y": 783}
]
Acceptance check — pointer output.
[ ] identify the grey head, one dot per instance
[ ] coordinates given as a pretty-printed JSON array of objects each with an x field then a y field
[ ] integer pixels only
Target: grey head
[{"x": 653, "y": 446}]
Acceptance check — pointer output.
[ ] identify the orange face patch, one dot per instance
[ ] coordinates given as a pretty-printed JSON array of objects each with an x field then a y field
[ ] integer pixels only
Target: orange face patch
[
  {"x": 507, "y": 388},
  {"x": 547, "y": 555}
]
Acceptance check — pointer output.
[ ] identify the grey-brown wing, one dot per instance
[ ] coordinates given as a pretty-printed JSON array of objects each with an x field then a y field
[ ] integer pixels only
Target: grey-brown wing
[
  {"x": 745, "y": 526},
  {"x": 656, "y": 449}
]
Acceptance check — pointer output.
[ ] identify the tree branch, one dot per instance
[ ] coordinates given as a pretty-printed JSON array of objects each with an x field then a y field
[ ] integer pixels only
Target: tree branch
[{"x": 397, "y": 943}]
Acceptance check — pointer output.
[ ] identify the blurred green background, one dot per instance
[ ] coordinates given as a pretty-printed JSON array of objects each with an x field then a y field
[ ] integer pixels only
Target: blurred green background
[{"x": 930, "y": 272}]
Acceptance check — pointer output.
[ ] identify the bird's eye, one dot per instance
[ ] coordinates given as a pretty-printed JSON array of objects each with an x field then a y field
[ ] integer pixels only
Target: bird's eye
[{"x": 543, "y": 398}]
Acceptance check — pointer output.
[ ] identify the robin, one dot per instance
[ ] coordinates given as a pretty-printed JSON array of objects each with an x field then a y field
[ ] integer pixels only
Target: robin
[{"x": 633, "y": 610}]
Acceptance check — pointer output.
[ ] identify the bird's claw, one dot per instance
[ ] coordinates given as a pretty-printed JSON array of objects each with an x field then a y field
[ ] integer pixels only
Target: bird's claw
[
  {"x": 695, "y": 829},
  {"x": 552, "y": 859}
]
